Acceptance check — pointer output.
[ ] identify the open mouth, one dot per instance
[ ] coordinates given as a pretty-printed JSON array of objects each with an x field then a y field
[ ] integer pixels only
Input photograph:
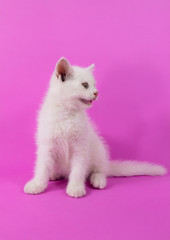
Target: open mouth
[{"x": 88, "y": 102}]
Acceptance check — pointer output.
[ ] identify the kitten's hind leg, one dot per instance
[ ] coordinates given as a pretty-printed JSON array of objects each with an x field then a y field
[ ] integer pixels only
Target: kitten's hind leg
[
  {"x": 98, "y": 180},
  {"x": 99, "y": 158}
]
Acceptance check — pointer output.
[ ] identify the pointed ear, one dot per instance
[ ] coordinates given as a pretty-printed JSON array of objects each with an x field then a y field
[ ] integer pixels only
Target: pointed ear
[
  {"x": 91, "y": 67},
  {"x": 63, "y": 69}
]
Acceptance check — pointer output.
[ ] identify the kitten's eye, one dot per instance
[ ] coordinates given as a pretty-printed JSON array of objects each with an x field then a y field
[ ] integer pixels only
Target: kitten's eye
[{"x": 85, "y": 85}]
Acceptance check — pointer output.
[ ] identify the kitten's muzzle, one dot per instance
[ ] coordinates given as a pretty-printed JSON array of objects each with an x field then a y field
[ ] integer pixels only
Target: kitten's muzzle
[{"x": 95, "y": 95}]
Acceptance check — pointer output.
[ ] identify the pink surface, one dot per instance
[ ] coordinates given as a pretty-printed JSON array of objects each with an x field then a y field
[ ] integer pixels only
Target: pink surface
[{"x": 129, "y": 43}]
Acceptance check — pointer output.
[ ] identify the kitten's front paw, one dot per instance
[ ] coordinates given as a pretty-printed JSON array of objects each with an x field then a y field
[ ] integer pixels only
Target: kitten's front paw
[
  {"x": 75, "y": 190},
  {"x": 34, "y": 187},
  {"x": 98, "y": 180}
]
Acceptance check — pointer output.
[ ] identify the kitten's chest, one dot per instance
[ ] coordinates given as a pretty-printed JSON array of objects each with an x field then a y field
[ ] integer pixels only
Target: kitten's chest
[
  {"x": 66, "y": 136},
  {"x": 67, "y": 133},
  {"x": 69, "y": 127}
]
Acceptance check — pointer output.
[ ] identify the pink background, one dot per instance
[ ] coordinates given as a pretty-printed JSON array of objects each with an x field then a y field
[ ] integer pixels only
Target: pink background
[{"x": 129, "y": 41}]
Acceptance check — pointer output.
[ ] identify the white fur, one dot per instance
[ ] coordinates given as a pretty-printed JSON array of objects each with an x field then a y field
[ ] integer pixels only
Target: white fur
[{"x": 67, "y": 143}]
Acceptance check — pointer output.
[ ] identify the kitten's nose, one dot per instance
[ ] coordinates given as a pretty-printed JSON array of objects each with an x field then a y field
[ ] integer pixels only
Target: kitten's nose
[{"x": 95, "y": 94}]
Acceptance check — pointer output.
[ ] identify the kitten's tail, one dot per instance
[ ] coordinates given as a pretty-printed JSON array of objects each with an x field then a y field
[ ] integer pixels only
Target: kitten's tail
[{"x": 134, "y": 168}]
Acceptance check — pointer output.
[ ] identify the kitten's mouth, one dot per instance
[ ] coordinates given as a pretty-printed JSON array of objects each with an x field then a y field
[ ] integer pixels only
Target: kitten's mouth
[{"x": 87, "y": 102}]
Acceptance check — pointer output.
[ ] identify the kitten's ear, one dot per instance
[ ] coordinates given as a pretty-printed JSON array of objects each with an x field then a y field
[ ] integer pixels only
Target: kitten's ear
[
  {"x": 91, "y": 67},
  {"x": 63, "y": 69}
]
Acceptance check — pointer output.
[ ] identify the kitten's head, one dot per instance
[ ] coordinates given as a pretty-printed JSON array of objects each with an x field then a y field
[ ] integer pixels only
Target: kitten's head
[{"x": 74, "y": 86}]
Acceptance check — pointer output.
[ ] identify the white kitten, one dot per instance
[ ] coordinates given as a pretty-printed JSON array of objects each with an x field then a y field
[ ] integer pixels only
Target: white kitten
[{"x": 67, "y": 144}]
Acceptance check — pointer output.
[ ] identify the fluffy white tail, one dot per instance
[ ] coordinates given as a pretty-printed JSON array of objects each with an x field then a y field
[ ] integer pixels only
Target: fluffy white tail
[{"x": 134, "y": 168}]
